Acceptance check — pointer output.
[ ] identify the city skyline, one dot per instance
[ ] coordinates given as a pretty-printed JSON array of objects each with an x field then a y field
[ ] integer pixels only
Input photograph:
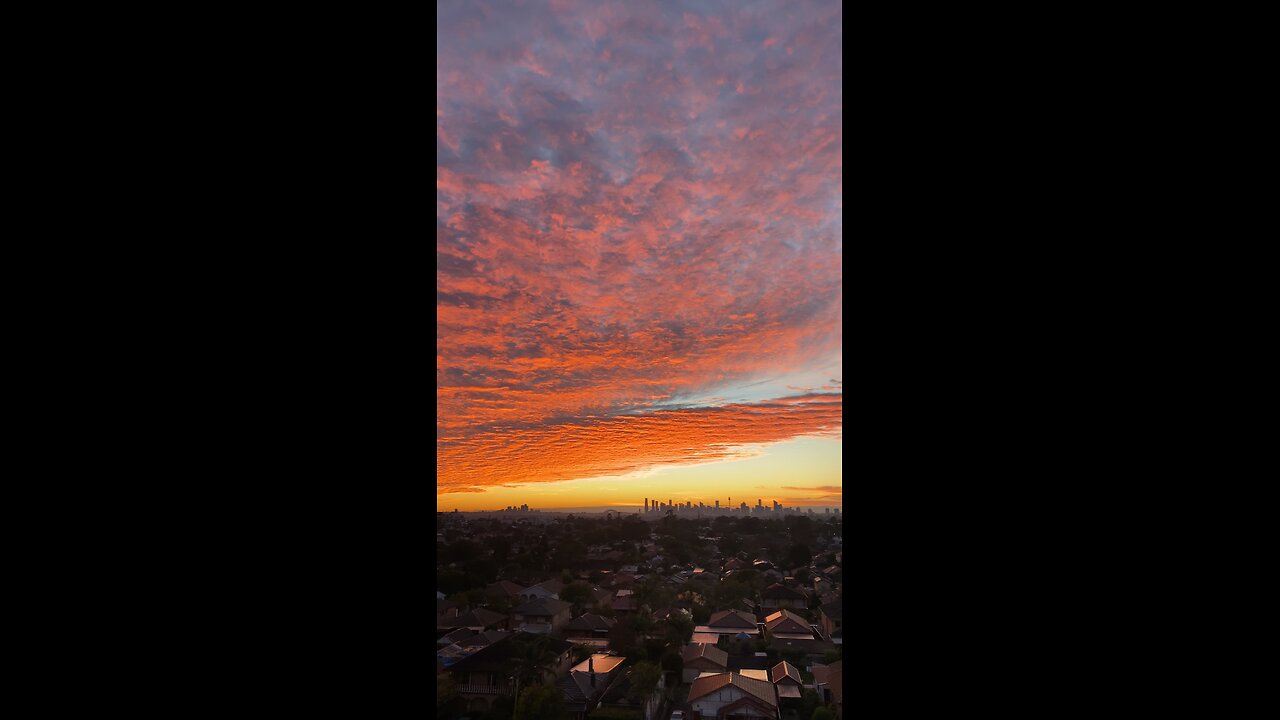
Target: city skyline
[{"x": 638, "y": 242}]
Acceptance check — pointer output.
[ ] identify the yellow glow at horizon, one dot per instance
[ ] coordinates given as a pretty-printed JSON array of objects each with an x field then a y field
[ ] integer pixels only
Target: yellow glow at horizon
[{"x": 788, "y": 472}]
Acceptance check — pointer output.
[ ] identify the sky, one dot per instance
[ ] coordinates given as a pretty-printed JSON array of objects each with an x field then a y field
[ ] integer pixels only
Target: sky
[{"x": 638, "y": 249}]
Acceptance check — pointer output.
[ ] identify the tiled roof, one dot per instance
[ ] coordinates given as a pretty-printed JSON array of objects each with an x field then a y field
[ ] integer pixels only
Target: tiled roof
[
  {"x": 732, "y": 618},
  {"x": 760, "y": 689},
  {"x": 590, "y": 621},
  {"x": 542, "y": 606},
  {"x": 694, "y": 651},
  {"x": 782, "y": 616},
  {"x": 479, "y": 616},
  {"x": 778, "y": 591},
  {"x": 504, "y": 587},
  {"x": 784, "y": 670},
  {"x": 555, "y": 586}
]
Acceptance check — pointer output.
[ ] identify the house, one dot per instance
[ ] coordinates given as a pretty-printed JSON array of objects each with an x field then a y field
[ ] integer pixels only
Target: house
[
  {"x": 480, "y": 619},
  {"x": 786, "y": 679},
  {"x": 624, "y": 580},
  {"x": 504, "y": 589},
  {"x": 731, "y": 623},
  {"x": 455, "y": 636},
  {"x": 589, "y": 629},
  {"x": 785, "y": 624},
  {"x": 730, "y": 695},
  {"x": 541, "y": 616},
  {"x": 548, "y": 589},
  {"x": 734, "y": 564},
  {"x": 601, "y": 597},
  {"x": 811, "y": 650},
  {"x": 701, "y": 658},
  {"x": 486, "y": 673},
  {"x": 829, "y": 682},
  {"x": 625, "y": 605},
  {"x": 587, "y": 683},
  {"x": 781, "y": 596},
  {"x": 830, "y": 617}
]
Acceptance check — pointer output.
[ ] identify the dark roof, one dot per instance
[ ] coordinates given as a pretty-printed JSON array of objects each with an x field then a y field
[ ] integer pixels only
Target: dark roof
[
  {"x": 590, "y": 621},
  {"x": 733, "y": 618},
  {"x": 542, "y": 606},
  {"x": 456, "y": 636},
  {"x": 488, "y": 637},
  {"x": 617, "y": 692},
  {"x": 478, "y": 616},
  {"x": 810, "y": 647},
  {"x": 504, "y": 587},
  {"x": 502, "y": 653},
  {"x": 777, "y": 591},
  {"x": 833, "y": 609},
  {"x": 625, "y": 603},
  {"x": 748, "y": 662},
  {"x": 554, "y": 585}
]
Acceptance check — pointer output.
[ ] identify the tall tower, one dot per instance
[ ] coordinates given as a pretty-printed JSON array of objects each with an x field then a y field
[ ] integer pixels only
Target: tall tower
[
  {"x": 646, "y": 504},
  {"x": 717, "y": 504}
]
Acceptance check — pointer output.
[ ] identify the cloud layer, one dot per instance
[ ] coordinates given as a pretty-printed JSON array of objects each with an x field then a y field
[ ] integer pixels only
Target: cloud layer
[
  {"x": 635, "y": 202},
  {"x": 596, "y": 447}
]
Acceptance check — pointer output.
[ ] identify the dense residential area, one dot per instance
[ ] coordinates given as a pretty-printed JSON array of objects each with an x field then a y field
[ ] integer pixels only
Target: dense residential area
[{"x": 630, "y": 617}]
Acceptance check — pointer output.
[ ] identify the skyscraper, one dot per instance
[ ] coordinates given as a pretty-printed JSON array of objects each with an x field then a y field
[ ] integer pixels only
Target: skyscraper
[
  {"x": 646, "y": 504},
  {"x": 717, "y": 504}
]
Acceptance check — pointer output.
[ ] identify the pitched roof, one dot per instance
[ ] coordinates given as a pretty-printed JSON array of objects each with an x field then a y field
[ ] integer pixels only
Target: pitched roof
[
  {"x": 478, "y": 616},
  {"x": 694, "y": 651},
  {"x": 785, "y": 670},
  {"x": 542, "y": 606},
  {"x": 780, "y": 619},
  {"x": 835, "y": 679},
  {"x": 759, "y": 689},
  {"x": 504, "y": 587},
  {"x": 590, "y": 621},
  {"x": 501, "y": 653},
  {"x": 458, "y": 635},
  {"x": 553, "y": 585},
  {"x": 778, "y": 591},
  {"x": 625, "y": 603},
  {"x": 732, "y": 618}
]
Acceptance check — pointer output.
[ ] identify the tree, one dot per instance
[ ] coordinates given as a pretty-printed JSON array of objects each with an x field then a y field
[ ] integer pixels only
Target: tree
[
  {"x": 672, "y": 663},
  {"x": 503, "y": 708},
  {"x": 622, "y": 637},
  {"x": 823, "y": 713},
  {"x": 679, "y": 628},
  {"x": 534, "y": 659},
  {"x": 577, "y": 593},
  {"x": 644, "y": 678},
  {"x": 830, "y": 656},
  {"x": 799, "y": 556},
  {"x": 809, "y": 701},
  {"x": 540, "y": 703},
  {"x": 501, "y": 548}
]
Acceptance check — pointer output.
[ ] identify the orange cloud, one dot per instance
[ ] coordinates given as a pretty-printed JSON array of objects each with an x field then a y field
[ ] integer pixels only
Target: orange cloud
[{"x": 621, "y": 444}]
